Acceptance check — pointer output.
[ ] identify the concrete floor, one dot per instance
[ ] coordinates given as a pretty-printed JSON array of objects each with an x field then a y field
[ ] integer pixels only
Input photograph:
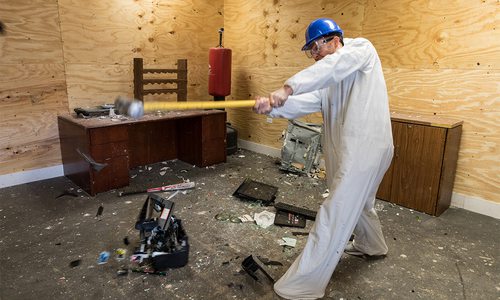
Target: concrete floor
[{"x": 454, "y": 256}]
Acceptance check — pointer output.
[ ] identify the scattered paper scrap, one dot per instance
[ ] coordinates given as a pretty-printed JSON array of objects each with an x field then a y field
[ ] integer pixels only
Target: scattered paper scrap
[
  {"x": 264, "y": 219},
  {"x": 246, "y": 218},
  {"x": 286, "y": 241}
]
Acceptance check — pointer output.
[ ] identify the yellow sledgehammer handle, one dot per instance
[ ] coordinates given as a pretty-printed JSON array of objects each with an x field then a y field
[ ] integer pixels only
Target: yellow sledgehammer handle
[
  {"x": 135, "y": 108},
  {"x": 166, "y": 106}
]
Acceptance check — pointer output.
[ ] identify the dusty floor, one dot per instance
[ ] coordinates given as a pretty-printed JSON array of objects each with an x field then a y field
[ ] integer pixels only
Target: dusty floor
[{"x": 454, "y": 256}]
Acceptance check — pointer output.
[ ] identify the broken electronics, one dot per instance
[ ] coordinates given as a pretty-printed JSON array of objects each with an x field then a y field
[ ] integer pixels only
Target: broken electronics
[
  {"x": 306, "y": 213},
  {"x": 289, "y": 219},
  {"x": 256, "y": 191},
  {"x": 301, "y": 147},
  {"x": 98, "y": 111},
  {"x": 164, "y": 242}
]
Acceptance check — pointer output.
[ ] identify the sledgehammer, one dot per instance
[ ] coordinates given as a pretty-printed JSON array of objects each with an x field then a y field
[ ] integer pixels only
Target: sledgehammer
[{"x": 136, "y": 108}]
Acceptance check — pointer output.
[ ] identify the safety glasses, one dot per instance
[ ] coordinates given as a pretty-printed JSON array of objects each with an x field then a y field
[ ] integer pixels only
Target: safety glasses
[{"x": 316, "y": 46}]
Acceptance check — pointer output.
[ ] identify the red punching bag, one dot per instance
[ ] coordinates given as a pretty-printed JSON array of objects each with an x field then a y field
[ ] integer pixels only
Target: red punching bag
[{"x": 219, "y": 70}]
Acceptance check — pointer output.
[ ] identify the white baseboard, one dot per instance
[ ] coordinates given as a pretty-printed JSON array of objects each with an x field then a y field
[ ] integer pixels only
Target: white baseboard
[
  {"x": 478, "y": 205},
  {"x": 262, "y": 149},
  {"x": 30, "y": 176}
]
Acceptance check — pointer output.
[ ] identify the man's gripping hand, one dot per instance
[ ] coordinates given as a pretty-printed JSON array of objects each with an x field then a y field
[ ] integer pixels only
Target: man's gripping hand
[
  {"x": 262, "y": 105},
  {"x": 278, "y": 97}
]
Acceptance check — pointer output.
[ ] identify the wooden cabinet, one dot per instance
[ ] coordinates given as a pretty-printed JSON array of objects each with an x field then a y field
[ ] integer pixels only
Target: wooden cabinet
[
  {"x": 196, "y": 137},
  {"x": 422, "y": 171}
]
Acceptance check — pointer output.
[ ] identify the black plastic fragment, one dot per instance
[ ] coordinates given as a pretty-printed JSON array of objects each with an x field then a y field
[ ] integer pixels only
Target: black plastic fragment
[
  {"x": 75, "y": 263},
  {"x": 256, "y": 191},
  {"x": 252, "y": 265}
]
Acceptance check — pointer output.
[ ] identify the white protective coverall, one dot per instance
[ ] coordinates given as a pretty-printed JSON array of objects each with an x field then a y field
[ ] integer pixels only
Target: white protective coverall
[{"x": 348, "y": 87}]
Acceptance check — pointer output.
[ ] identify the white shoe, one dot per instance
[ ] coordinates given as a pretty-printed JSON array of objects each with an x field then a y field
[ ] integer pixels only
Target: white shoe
[{"x": 351, "y": 250}]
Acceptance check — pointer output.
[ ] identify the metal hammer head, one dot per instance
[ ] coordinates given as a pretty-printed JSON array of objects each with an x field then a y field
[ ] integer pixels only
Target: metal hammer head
[{"x": 130, "y": 107}]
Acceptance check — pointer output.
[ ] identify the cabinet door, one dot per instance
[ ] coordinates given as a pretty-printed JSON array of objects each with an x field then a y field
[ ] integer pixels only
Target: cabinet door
[
  {"x": 418, "y": 155},
  {"x": 213, "y": 139}
]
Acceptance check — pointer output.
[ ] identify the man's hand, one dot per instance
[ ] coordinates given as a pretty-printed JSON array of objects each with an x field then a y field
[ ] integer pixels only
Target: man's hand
[
  {"x": 278, "y": 97},
  {"x": 262, "y": 105}
]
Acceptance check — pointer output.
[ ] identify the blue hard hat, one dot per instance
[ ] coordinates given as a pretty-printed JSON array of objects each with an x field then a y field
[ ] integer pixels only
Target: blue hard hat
[{"x": 319, "y": 28}]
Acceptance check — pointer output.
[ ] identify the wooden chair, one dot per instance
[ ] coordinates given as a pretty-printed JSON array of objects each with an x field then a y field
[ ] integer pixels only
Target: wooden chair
[{"x": 140, "y": 81}]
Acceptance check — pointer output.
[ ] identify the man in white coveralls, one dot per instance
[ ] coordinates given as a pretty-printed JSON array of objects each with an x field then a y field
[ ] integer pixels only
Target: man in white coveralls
[{"x": 347, "y": 86}]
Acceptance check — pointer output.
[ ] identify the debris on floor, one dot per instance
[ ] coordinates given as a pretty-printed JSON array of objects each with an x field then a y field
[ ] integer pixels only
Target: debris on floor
[
  {"x": 120, "y": 254},
  {"x": 264, "y": 219},
  {"x": 100, "y": 209},
  {"x": 224, "y": 216},
  {"x": 246, "y": 218},
  {"x": 287, "y": 241},
  {"x": 256, "y": 191},
  {"x": 304, "y": 212},
  {"x": 284, "y": 218},
  {"x": 163, "y": 240},
  {"x": 75, "y": 263},
  {"x": 173, "y": 187},
  {"x": 252, "y": 265},
  {"x": 103, "y": 257},
  {"x": 217, "y": 248},
  {"x": 68, "y": 192}
]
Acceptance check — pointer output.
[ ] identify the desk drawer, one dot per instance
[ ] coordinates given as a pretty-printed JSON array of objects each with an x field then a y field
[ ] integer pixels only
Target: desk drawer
[
  {"x": 213, "y": 127},
  {"x": 114, "y": 175},
  {"x": 105, "y": 135},
  {"x": 103, "y": 152}
]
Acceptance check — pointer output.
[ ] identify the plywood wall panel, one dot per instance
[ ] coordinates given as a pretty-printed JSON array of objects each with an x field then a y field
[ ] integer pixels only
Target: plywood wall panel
[
  {"x": 102, "y": 38},
  {"x": 255, "y": 128},
  {"x": 104, "y": 31},
  {"x": 92, "y": 85},
  {"x": 469, "y": 95},
  {"x": 46, "y": 152},
  {"x": 32, "y": 32},
  {"x": 477, "y": 170},
  {"x": 434, "y": 34},
  {"x": 265, "y": 33},
  {"x": 32, "y": 85},
  {"x": 115, "y": 32},
  {"x": 248, "y": 83},
  {"x": 31, "y": 98},
  {"x": 26, "y": 116}
]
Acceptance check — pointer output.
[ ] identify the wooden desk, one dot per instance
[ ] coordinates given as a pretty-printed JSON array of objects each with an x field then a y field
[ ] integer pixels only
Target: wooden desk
[{"x": 196, "y": 137}]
